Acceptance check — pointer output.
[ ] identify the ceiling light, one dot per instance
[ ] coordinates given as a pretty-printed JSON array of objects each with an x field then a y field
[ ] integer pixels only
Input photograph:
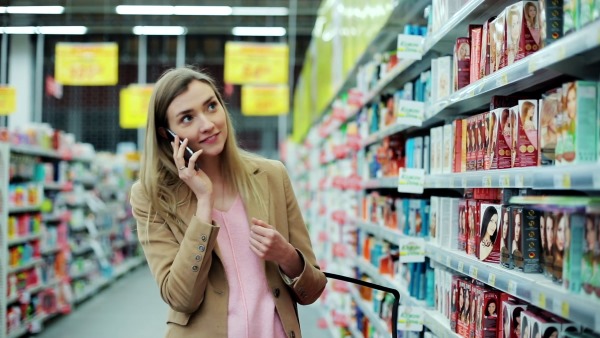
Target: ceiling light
[
  {"x": 202, "y": 10},
  {"x": 2, "y": 10},
  {"x": 258, "y": 31},
  {"x": 18, "y": 30},
  {"x": 159, "y": 30},
  {"x": 144, "y": 10},
  {"x": 62, "y": 30},
  {"x": 268, "y": 11},
  {"x": 35, "y": 9}
]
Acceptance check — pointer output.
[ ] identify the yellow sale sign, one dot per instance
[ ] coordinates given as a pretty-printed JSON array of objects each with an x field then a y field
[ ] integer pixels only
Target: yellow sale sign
[
  {"x": 256, "y": 63},
  {"x": 8, "y": 99},
  {"x": 265, "y": 100},
  {"x": 133, "y": 106},
  {"x": 87, "y": 64}
]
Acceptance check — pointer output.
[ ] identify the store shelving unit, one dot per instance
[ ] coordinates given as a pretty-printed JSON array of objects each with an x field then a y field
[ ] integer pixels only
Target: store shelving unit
[{"x": 377, "y": 322}]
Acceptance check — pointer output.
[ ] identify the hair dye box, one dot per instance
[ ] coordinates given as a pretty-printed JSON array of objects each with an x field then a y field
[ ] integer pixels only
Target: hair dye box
[
  {"x": 486, "y": 313},
  {"x": 523, "y": 33},
  {"x": 527, "y": 134},
  {"x": 526, "y": 244},
  {"x": 578, "y": 142},
  {"x": 455, "y": 310},
  {"x": 503, "y": 316},
  {"x": 484, "y": 60},
  {"x": 511, "y": 321},
  {"x": 483, "y": 139},
  {"x": 487, "y": 236},
  {"x": 464, "y": 308},
  {"x": 460, "y": 146},
  {"x": 434, "y": 219},
  {"x": 473, "y": 217},
  {"x": 591, "y": 256},
  {"x": 475, "y": 39},
  {"x": 574, "y": 242},
  {"x": 493, "y": 147},
  {"x": 471, "y": 143},
  {"x": 506, "y": 239},
  {"x": 448, "y": 152},
  {"x": 463, "y": 215},
  {"x": 542, "y": 327},
  {"x": 549, "y": 111},
  {"x": 462, "y": 63},
  {"x": 497, "y": 42},
  {"x": 551, "y": 15},
  {"x": 514, "y": 138},
  {"x": 503, "y": 147}
]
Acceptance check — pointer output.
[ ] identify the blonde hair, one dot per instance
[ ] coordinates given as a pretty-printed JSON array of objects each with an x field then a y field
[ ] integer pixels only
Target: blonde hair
[{"x": 158, "y": 174}]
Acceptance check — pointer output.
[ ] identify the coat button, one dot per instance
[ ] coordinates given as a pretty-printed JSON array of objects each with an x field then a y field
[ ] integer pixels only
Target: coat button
[
  {"x": 276, "y": 292},
  {"x": 203, "y": 238},
  {"x": 198, "y": 257},
  {"x": 201, "y": 248},
  {"x": 195, "y": 268}
]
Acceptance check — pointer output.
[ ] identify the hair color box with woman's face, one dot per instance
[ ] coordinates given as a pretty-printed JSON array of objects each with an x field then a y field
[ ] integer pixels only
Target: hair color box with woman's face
[
  {"x": 579, "y": 123},
  {"x": 526, "y": 221},
  {"x": 506, "y": 236},
  {"x": 549, "y": 108},
  {"x": 463, "y": 211},
  {"x": 494, "y": 145},
  {"x": 523, "y": 34},
  {"x": 460, "y": 146},
  {"x": 514, "y": 309},
  {"x": 483, "y": 139},
  {"x": 551, "y": 21},
  {"x": 475, "y": 40},
  {"x": 484, "y": 60},
  {"x": 473, "y": 219},
  {"x": 462, "y": 63},
  {"x": 543, "y": 326},
  {"x": 527, "y": 134},
  {"x": 464, "y": 308},
  {"x": 489, "y": 308},
  {"x": 488, "y": 233}
]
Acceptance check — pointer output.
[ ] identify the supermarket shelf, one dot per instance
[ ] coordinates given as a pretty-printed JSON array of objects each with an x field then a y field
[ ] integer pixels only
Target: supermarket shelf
[
  {"x": 34, "y": 151},
  {"x": 378, "y": 231},
  {"x": 380, "y": 183},
  {"x": 330, "y": 325},
  {"x": 438, "y": 324},
  {"x": 354, "y": 332},
  {"x": 29, "y": 208},
  {"x": 365, "y": 307},
  {"x": 55, "y": 186},
  {"x": 25, "y": 266},
  {"x": 380, "y": 135},
  {"x": 582, "y": 177},
  {"x": 91, "y": 290},
  {"x": 83, "y": 274},
  {"x": 31, "y": 290},
  {"x": 127, "y": 266},
  {"x": 405, "y": 297},
  {"x": 80, "y": 250},
  {"x": 50, "y": 251},
  {"x": 533, "y": 288},
  {"x": 23, "y": 239}
]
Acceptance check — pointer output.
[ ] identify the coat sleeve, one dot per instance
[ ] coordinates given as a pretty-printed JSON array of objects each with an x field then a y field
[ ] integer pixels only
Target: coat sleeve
[
  {"x": 180, "y": 269},
  {"x": 310, "y": 284}
]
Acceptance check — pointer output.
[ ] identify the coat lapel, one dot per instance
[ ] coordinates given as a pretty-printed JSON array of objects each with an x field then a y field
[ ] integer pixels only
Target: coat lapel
[{"x": 253, "y": 207}]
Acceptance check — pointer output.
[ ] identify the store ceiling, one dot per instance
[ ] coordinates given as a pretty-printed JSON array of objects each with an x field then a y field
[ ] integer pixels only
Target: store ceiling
[{"x": 100, "y": 16}]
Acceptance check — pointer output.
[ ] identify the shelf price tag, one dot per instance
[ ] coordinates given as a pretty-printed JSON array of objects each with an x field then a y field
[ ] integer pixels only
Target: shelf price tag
[
  {"x": 461, "y": 266},
  {"x": 542, "y": 300},
  {"x": 473, "y": 271},
  {"x": 464, "y": 182},
  {"x": 504, "y": 181},
  {"x": 487, "y": 181},
  {"x": 410, "y": 47},
  {"x": 492, "y": 279},
  {"x": 448, "y": 261},
  {"x": 410, "y": 318},
  {"x": 412, "y": 250},
  {"x": 519, "y": 181},
  {"x": 512, "y": 287},
  {"x": 564, "y": 309},
  {"x": 411, "y": 180},
  {"x": 562, "y": 181},
  {"x": 410, "y": 113}
]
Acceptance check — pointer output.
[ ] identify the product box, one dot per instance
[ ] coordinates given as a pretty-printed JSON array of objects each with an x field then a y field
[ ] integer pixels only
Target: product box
[
  {"x": 434, "y": 212},
  {"x": 486, "y": 313},
  {"x": 503, "y": 150},
  {"x": 551, "y": 13},
  {"x": 497, "y": 42},
  {"x": 460, "y": 146},
  {"x": 449, "y": 215},
  {"x": 462, "y": 63},
  {"x": 464, "y": 308},
  {"x": 514, "y": 122},
  {"x": 526, "y": 243},
  {"x": 455, "y": 308},
  {"x": 511, "y": 322},
  {"x": 527, "y": 318},
  {"x": 475, "y": 40},
  {"x": 578, "y": 126},
  {"x": 549, "y": 108},
  {"x": 484, "y": 60},
  {"x": 491, "y": 154},
  {"x": 463, "y": 211},
  {"x": 441, "y": 78},
  {"x": 507, "y": 234},
  {"x": 574, "y": 247},
  {"x": 483, "y": 138},
  {"x": 487, "y": 239},
  {"x": 527, "y": 134},
  {"x": 426, "y": 154},
  {"x": 589, "y": 10},
  {"x": 547, "y": 231},
  {"x": 473, "y": 216},
  {"x": 503, "y": 315},
  {"x": 570, "y": 11},
  {"x": 522, "y": 30},
  {"x": 448, "y": 151},
  {"x": 542, "y": 327},
  {"x": 472, "y": 142},
  {"x": 591, "y": 254}
]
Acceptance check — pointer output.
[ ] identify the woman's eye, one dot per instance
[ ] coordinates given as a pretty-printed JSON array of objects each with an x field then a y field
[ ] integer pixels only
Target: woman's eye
[
  {"x": 212, "y": 106},
  {"x": 186, "y": 119}
]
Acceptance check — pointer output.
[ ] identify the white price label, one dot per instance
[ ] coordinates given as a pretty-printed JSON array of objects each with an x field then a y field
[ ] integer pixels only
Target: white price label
[
  {"x": 410, "y": 47},
  {"x": 562, "y": 181},
  {"x": 410, "y": 113},
  {"x": 410, "y": 318},
  {"x": 412, "y": 250},
  {"x": 411, "y": 180},
  {"x": 512, "y": 287},
  {"x": 487, "y": 181},
  {"x": 492, "y": 279},
  {"x": 464, "y": 182},
  {"x": 519, "y": 181},
  {"x": 504, "y": 181},
  {"x": 461, "y": 267},
  {"x": 542, "y": 300},
  {"x": 473, "y": 272}
]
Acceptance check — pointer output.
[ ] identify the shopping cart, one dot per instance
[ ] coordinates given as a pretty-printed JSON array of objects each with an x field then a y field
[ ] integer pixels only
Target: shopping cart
[{"x": 394, "y": 292}]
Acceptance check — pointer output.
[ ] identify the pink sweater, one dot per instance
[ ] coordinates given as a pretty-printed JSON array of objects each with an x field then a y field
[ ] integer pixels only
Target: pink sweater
[{"x": 251, "y": 309}]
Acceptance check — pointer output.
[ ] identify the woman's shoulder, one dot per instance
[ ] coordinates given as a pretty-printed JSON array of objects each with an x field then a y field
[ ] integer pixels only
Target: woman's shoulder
[
  {"x": 138, "y": 194},
  {"x": 266, "y": 165}
]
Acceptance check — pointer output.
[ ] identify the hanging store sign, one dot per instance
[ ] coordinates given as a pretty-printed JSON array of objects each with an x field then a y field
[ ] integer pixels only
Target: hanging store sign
[
  {"x": 256, "y": 63},
  {"x": 8, "y": 99},
  {"x": 265, "y": 100},
  {"x": 87, "y": 64},
  {"x": 133, "y": 106}
]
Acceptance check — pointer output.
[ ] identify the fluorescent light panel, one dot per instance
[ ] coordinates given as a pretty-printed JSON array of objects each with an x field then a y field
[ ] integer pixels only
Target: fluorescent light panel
[
  {"x": 19, "y": 30},
  {"x": 159, "y": 30},
  {"x": 35, "y": 9},
  {"x": 144, "y": 10},
  {"x": 267, "y": 11},
  {"x": 62, "y": 30},
  {"x": 203, "y": 10},
  {"x": 258, "y": 31}
]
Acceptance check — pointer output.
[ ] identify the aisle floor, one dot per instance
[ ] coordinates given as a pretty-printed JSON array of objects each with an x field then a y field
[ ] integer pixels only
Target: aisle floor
[{"x": 131, "y": 308}]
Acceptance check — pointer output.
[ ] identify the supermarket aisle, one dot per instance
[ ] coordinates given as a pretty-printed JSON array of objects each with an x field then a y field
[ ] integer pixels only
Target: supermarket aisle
[{"x": 131, "y": 308}]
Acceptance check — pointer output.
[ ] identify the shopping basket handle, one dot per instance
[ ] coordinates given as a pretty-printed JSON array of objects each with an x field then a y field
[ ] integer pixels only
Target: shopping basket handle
[{"x": 394, "y": 292}]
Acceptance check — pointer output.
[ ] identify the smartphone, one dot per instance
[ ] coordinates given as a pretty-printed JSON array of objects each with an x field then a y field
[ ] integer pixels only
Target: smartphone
[{"x": 188, "y": 151}]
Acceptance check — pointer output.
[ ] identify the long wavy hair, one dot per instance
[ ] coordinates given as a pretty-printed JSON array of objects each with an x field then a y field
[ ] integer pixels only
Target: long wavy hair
[{"x": 158, "y": 173}]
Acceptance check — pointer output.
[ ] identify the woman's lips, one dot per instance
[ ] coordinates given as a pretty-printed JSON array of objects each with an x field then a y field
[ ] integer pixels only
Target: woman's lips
[{"x": 210, "y": 140}]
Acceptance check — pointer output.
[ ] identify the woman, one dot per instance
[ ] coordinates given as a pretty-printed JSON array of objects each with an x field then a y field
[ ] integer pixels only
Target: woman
[
  {"x": 513, "y": 36},
  {"x": 568, "y": 126},
  {"x": 225, "y": 242},
  {"x": 533, "y": 25},
  {"x": 525, "y": 332},
  {"x": 491, "y": 309},
  {"x": 548, "y": 253},
  {"x": 516, "y": 322},
  {"x": 505, "y": 322},
  {"x": 504, "y": 249},
  {"x": 559, "y": 248},
  {"x": 551, "y": 332},
  {"x": 489, "y": 232}
]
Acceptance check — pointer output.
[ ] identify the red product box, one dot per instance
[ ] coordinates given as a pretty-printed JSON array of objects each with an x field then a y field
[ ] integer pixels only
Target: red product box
[
  {"x": 484, "y": 60},
  {"x": 486, "y": 312},
  {"x": 511, "y": 318},
  {"x": 463, "y": 214},
  {"x": 472, "y": 143},
  {"x": 514, "y": 137},
  {"x": 487, "y": 236},
  {"x": 464, "y": 308},
  {"x": 491, "y": 154},
  {"x": 482, "y": 127},
  {"x": 502, "y": 156},
  {"x": 527, "y": 134},
  {"x": 503, "y": 315},
  {"x": 462, "y": 63},
  {"x": 460, "y": 143},
  {"x": 497, "y": 43},
  {"x": 456, "y": 301},
  {"x": 472, "y": 227},
  {"x": 475, "y": 38},
  {"x": 506, "y": 238},
  {"x": 523, "y": 34}
]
